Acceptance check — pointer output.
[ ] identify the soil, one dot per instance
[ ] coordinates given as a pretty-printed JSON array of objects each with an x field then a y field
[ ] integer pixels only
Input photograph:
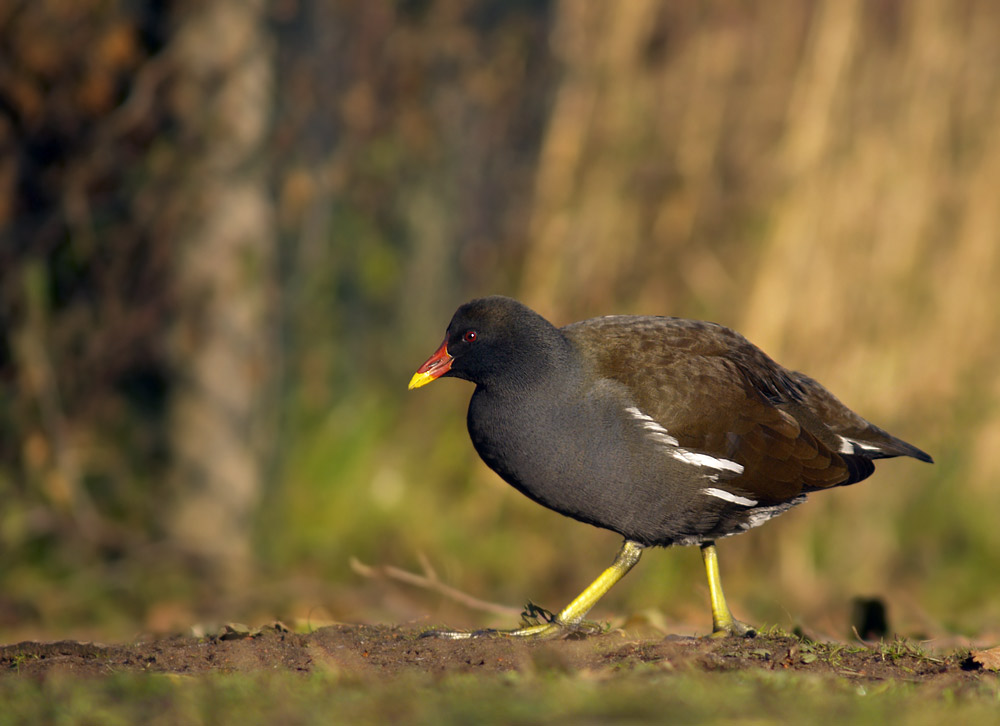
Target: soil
[{"x": 365, "y": 651}]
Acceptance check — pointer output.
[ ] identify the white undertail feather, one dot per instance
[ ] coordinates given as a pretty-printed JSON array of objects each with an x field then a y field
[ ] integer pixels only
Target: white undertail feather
[
  {"x": 760, "y": 515},
  {"x": 729, "y": 497},
  {"x": 850, "y": 446}
]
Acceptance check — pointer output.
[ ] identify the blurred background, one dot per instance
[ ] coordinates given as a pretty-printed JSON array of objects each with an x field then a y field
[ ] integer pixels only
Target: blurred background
[{"x": 231, "y": 230}]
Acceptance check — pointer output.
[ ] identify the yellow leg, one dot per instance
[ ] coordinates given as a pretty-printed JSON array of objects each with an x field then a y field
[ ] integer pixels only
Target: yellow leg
[
  {"x": 723, "y": 622},
  {"x": 570, "y": 617}
]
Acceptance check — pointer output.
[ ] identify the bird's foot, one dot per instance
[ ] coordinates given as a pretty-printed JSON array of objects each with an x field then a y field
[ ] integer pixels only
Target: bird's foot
[
  {"x": 733, "y": 628},
  {"x": 542, "y": 624},
  {"x": 542, "y": 631},
  {"x": 537, "y": 623},
  {"x": 459, "y": 634}
]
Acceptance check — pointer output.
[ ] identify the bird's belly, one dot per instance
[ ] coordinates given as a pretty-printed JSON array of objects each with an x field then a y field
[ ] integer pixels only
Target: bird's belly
[{"x": 585, "y": 473}]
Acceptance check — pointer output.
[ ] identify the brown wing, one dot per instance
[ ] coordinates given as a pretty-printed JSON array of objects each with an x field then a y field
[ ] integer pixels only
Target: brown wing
[{"x": 717, "y": 393}]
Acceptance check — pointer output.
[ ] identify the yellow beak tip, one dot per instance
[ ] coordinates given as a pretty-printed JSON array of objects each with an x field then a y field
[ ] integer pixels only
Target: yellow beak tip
[{"x": 420, "y": 379}]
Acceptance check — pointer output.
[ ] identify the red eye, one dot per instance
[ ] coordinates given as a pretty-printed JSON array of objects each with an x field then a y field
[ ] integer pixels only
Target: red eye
[{"x": 470, "y": 336}]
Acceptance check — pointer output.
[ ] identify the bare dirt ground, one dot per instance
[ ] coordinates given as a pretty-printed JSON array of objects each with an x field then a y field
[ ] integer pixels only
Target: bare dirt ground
[{"x": 378, "y": 652}]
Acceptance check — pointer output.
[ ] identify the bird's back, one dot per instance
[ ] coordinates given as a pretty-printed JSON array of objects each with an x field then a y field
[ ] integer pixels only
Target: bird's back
[{"x": 716, "y": 392}]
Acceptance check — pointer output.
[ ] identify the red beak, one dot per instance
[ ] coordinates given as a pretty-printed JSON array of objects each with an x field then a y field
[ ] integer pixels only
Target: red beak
[{"x": 434, "y": 367}]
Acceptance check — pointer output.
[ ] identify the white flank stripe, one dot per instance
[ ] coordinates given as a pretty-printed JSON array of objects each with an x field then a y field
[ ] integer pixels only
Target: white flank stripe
[
  {"x": 690, "y": 457},
  {"x": 661, "y": 435},
  {"x": 729, "y": 497},
  {"x": 656, "y": 431}
]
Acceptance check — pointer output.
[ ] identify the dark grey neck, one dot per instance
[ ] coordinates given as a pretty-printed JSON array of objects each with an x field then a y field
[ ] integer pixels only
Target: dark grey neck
[{"x": 544, "y": 358}]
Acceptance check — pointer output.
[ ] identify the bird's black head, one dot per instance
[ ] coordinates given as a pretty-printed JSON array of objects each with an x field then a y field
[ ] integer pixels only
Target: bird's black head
[{"x": 493, "y": 340}]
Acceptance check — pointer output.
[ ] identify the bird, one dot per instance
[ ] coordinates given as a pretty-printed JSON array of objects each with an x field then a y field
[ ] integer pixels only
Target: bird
[{"x": 668, "y": 431}]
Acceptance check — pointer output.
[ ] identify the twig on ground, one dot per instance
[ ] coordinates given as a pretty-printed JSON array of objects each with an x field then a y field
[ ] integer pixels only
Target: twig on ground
[{"x": 429, "y": 581}]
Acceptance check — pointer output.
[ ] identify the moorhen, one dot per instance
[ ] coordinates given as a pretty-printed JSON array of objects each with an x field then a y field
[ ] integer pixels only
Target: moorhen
[{"x": 666, "y": 431}]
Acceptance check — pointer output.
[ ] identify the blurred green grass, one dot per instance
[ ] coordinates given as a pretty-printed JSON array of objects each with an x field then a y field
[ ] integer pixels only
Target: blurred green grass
[{"x": 636, "y": 696}]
